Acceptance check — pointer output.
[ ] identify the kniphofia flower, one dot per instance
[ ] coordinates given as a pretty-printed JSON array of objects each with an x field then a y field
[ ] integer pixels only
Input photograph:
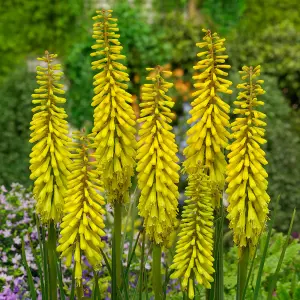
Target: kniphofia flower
[
  {"x": 82, "y": 224},
  {"x": 49, "y": 156},
  {"x": 208, "y": 135},
  {"x": 193, "y": 259},
  {"x": 114, "y": 118},
  {"x": 246, "y": 176},
  {"x": 157, "y": 161}
]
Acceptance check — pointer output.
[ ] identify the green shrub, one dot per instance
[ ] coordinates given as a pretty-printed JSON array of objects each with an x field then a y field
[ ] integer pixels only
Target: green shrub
[
  {"x": 269, "y": 34},
  {"x": 80, "y": 77},
  {"x": 32, "y": 26},
  {"x": 288, "y": 282},
  {"x": 14, "y": 123}
]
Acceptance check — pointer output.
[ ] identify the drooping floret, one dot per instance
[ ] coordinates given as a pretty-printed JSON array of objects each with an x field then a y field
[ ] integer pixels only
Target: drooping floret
[
  {"x": 194, "y": 259},
  {"x": 246, "y": 176},
  {"x": 49, "y": 155},
  {"x": 114, "y": 118},
  {"x": 157, "y": 161},
  {"x": 82, "y": 225},
  {"x": 208, "y": 135}
]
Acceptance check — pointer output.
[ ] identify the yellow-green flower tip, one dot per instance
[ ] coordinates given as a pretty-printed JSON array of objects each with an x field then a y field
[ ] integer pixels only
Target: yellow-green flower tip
[
  {"x": 114, "y": 118},
  {"x": 49, "y": 157},
  {"x": 208, "y": 135},
  {"x": 82, "y": 225},
  {"x": 194, "y": 258},
  {"x": 157, "y": 161},
  {"x": 246, "y": 176}
]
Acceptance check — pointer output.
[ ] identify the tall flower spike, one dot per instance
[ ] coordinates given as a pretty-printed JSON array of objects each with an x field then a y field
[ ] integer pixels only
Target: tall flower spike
[
  {"x": 114, "y": 118},
  {"x": 193, "y": 258},
  {"x": 209, "y": 114},
  {"x": 82, "y": 224},
  {"x": 49, "y": 156},
  {"x": 157, "y": 161},
  {"x": 246, "y": 176}
]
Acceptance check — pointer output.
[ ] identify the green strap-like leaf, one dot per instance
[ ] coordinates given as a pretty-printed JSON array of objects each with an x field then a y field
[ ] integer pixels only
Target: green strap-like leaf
[
  {"x": 275, "y": 275},
  {"x": 29, "y": 275},
  {"x": 263, "y": 258}
]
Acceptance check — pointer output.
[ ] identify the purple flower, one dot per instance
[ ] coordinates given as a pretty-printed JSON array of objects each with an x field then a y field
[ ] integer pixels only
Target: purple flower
[
  {"x": 29, "y": 255},
  {"x": 3, "y": 189},
  {"x": 6, "y": 277},
  {"x": 4, "y": 258},
  {"x": 16, "y": 259},
  {"x": 34, "y": 235},
  {"x": 6, "y": 233},
  {"x": 17, "y": 240},
  {"x": 11, "y": 216}
]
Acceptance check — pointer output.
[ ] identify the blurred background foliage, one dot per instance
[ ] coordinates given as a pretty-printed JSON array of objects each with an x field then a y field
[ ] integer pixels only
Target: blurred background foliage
[{"x": 155, "y": 32}]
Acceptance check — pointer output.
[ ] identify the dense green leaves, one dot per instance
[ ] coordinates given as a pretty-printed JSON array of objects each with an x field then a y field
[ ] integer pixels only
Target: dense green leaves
[
  {"x": 14, "y": 123},
  {"x": 290, "y": 268},
  {"x": 28, "y": 27}
]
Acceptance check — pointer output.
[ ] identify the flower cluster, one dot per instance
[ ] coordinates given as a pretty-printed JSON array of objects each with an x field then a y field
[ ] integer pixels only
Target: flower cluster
[
  {"x": 16, "y": 223},
  {"x": 49, "y": 156},
  {"x": 193, "y": 258},
  {"x": 157, "y": 161},
  {"x": 246, "y": 176},
  {"x": 114, "y": 118},
  {"x": 82, "y": 224},
  {"x": 208, "y": 137}
]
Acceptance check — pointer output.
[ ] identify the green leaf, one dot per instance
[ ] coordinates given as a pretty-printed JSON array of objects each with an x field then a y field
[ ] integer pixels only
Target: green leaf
[
  {"x": 29, "y": 275},
  {"x": 72, "y": 295},
  {"x": 37, "y": 261},
  {"x": 275, "y": 275},
  {"x": 263, "y": 258}
]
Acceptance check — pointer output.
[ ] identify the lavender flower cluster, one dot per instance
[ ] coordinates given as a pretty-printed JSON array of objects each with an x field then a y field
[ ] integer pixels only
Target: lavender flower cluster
[{"x": 17, "y": 224}]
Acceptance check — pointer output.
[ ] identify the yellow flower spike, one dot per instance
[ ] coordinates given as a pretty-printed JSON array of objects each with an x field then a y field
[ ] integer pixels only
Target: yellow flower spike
[
  {"x": 208, "y": 135},
  {"x": 114, "y": 117},
  {"x": 82, "y": 225},
  {"x": 157, "y": 161},
  {"x": 246, "y": 176},
  {"x": 49, "y": 157},
  {"x": 194, "y": 258}
]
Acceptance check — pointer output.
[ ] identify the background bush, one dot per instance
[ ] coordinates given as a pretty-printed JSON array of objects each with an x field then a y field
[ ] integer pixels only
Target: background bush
[{"x": 14, "y": 123}]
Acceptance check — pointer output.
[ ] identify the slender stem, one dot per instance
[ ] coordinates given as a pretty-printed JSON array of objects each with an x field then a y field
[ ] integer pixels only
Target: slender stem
[
  {"x": 117, "y": 243},
  {"x": 220, "y": 285},
  {"x": 242, "y": 273},
  {"x": 141, "y": 279},
  {"x": 217, "y": 289},
  {"x": 51, "y": 261},
  {"x": 79, "y": 291},
  {"x": 156, "y": 272}
]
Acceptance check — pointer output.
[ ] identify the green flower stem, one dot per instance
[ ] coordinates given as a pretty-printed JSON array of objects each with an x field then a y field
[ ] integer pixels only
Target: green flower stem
[
  {"x": 79, "y": 291},
  {"x": 52, "y": 261},
  {"x": 217, "y": 289},
  {"x": 117, "y": 244},
  {"x": 156, "y": 272},
  {"x": 242, "y": 273}
]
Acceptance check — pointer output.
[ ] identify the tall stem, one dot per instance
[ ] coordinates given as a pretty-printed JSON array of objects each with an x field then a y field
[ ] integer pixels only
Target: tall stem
[
  {"x": 242, "y": 273},
  {"x": 217, "y": 289},
  {"x": 52, "y": 261},
  {"x": 156, "y": 272},
  {"x": 79, "y": 291},
  {"x": 117, "y": 243}
]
